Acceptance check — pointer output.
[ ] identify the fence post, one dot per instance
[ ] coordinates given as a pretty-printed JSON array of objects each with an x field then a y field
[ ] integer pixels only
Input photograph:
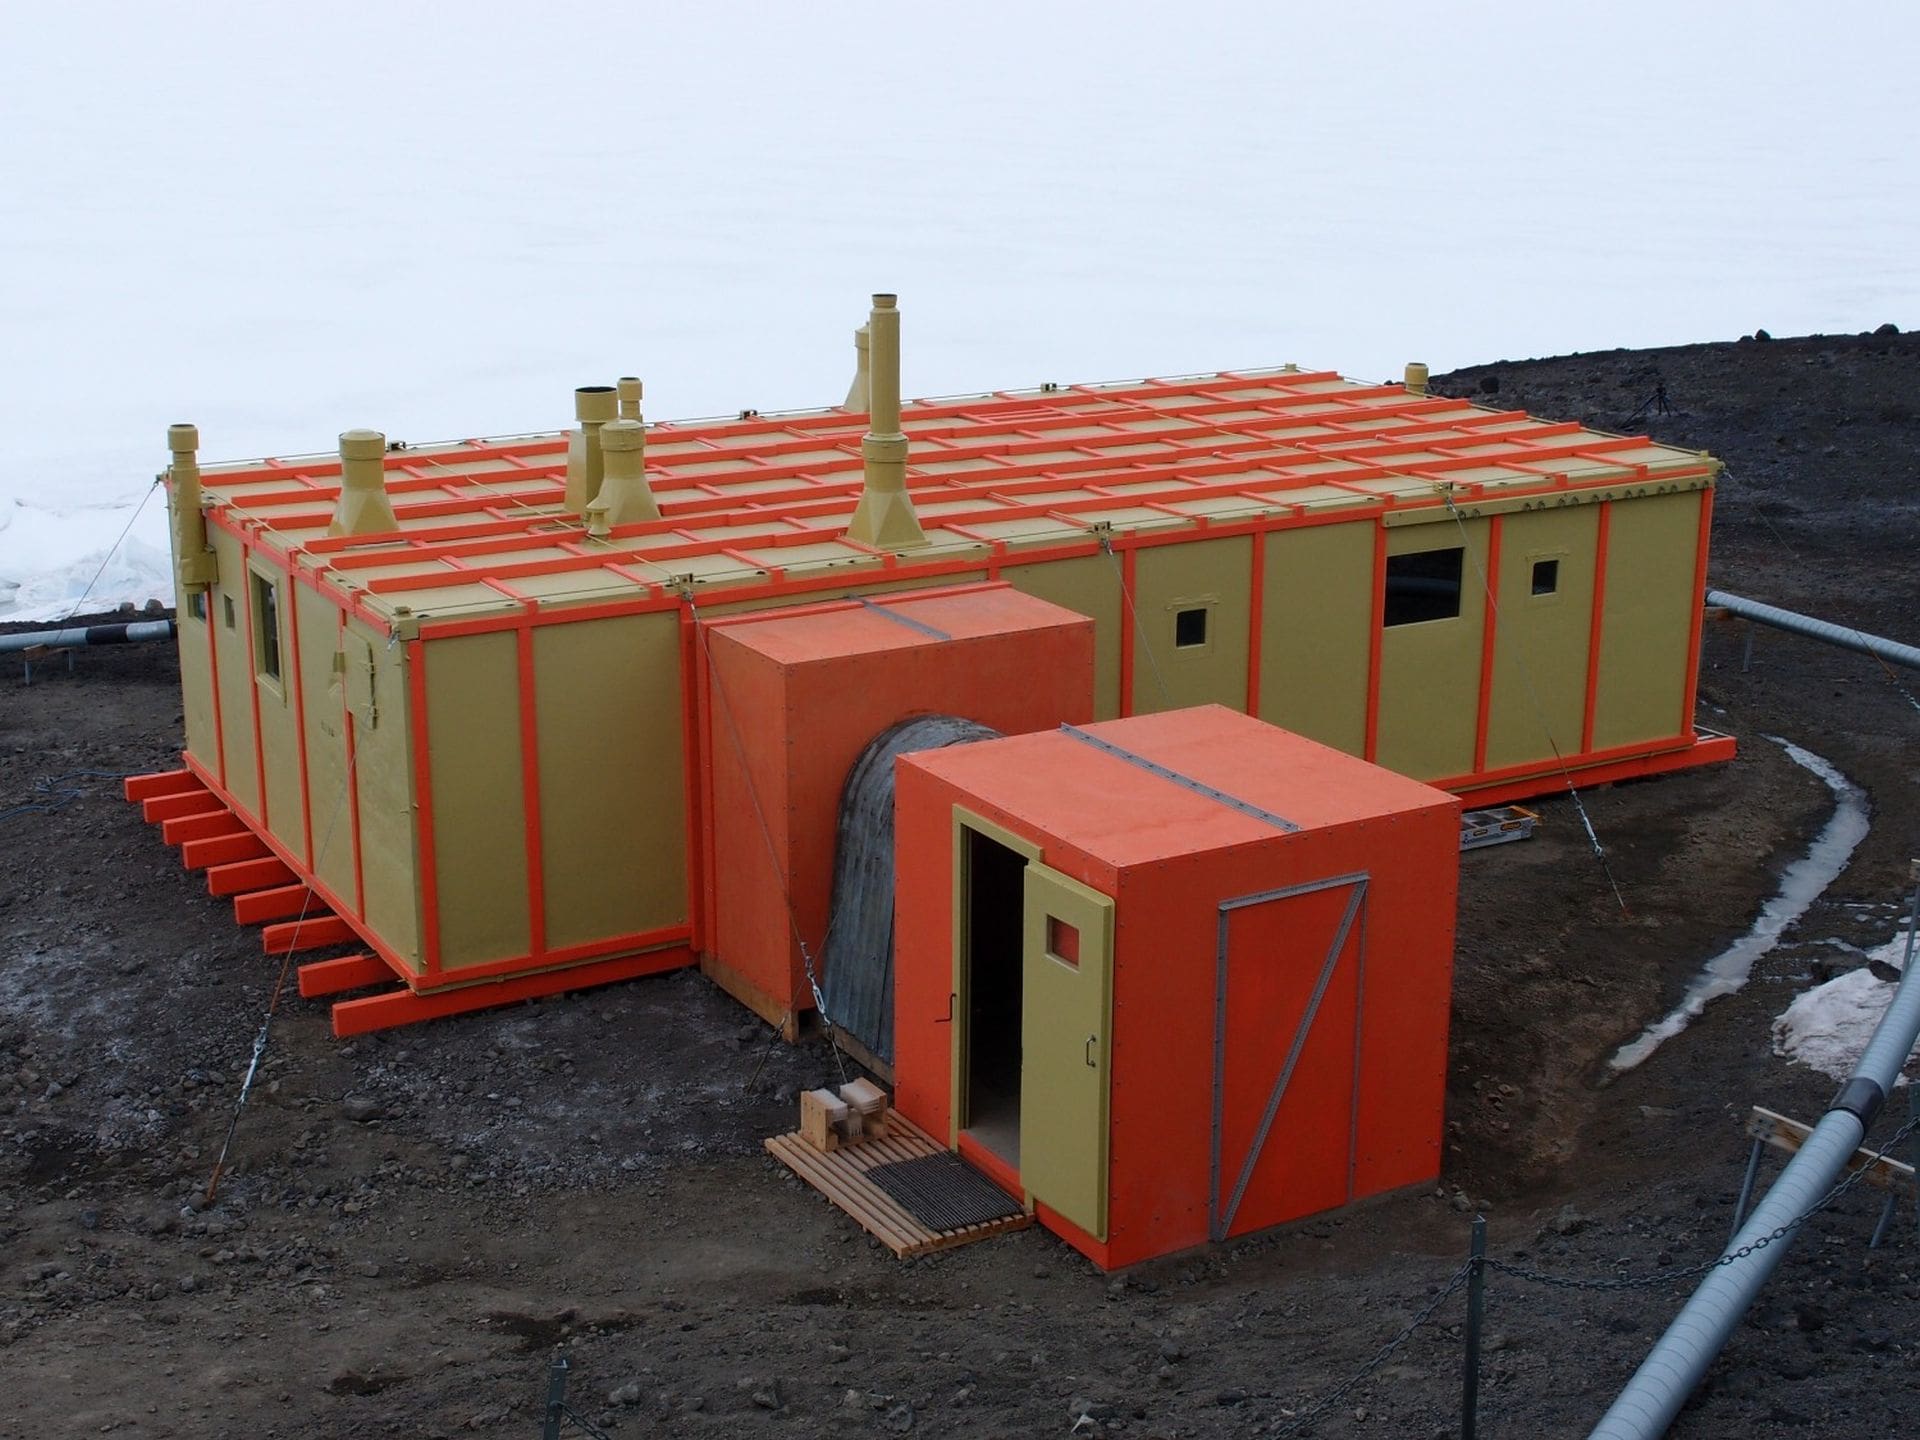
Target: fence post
[
  {"x": 1476, "y": 1295},
  {"x": 556, "y": 1398}
]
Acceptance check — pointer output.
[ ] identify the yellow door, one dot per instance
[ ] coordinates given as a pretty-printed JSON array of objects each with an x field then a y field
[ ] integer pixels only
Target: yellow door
[{"x": 1066, "y": 1009}]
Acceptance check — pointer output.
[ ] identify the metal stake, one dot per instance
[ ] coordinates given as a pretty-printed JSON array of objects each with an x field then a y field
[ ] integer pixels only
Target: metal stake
[
  {"x": 1886, "y": 1220},
  {"x": 1746, "y": 1185},
  {"x": 556, "y": 1398},
  {"x": 1476, "y": 1304},
  {"x": 1746, "y": 651}
]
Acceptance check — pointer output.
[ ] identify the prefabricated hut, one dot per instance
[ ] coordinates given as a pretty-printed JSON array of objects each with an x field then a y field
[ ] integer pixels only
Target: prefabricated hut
[
  {"x": 453, "y": 703},
  {"x": 1174, "y": 978}
]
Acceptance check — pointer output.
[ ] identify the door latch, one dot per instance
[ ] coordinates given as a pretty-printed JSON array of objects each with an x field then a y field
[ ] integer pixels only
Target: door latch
[{"x": 1087, "y": 1053}]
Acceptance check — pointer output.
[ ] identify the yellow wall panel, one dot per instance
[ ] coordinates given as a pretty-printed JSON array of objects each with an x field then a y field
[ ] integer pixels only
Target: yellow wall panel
[
  {"x": 479, "y": 818},
  {"x": 1088, "y": 585},
  {"x": 1430, "y": 669},
  {"x": 227, "y": 613},
  {"x": 1540, "y": 641},
  {"x": 323, "y": 688},
  {"x": 1647, "y": 627},
  {"x": 279, "y": 729},
  {"x": 1318, "y": 604},
  {"x": 379, "y": 706},
  {"x": 196, "y": 683},
  {"x": 612, "y": 799},
  {"x": 1213, "y": 576}
]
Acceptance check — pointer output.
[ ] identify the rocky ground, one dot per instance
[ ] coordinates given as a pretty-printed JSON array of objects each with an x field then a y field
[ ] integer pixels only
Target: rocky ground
[{"x": 413, "y": 1223}]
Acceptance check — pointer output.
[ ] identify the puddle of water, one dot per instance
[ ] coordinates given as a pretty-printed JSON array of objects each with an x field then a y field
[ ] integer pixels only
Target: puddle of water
[{"x": 1800, "y": 886}]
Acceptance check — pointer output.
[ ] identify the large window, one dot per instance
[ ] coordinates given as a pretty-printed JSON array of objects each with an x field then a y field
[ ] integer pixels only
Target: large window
[{"x": 1423, "y": 586}]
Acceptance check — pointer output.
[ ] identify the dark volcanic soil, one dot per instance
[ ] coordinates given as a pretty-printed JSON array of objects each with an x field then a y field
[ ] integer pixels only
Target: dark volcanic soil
[{"x": 412, "y": 1222}]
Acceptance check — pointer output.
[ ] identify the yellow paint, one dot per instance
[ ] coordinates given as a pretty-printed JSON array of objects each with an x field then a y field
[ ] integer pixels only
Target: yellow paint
[
  {"x": 612, "y": 796},
  {"x": 593, "y": 406},
  {"x": 1088, "y": 585},
  {"x": 1430, "y": 670},
  {"x": 193, "y": 560},
  {"x": 227, "y": 613},
  {"x": 1317, "y": 600},
  {"x": 1065, "y": 1050},
  {"x": 964, "y": 820},
  {"x": 1647, "y": 628},
  {"x": 323, "y": 685},
  {"x": 479, "y": 820},
  {"x": 363, "y": 507},
  {"x": 1540, "y": 641},
  {"x": 1214, "y": 576},
  {"x": 375, "y": 678},
  {"x": 279, "y": 733}
]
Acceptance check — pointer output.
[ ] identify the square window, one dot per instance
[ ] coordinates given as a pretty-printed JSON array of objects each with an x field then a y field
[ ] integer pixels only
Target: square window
[
  {"x": 1190, "y": 628},
  {"x": 1063, "y": 941},
  {"x": 1546, "y": 576},
  {"x": 266, "y": 627},
  {"x": 1423, "y": 586},
  {"x": 197, "y": 605}
]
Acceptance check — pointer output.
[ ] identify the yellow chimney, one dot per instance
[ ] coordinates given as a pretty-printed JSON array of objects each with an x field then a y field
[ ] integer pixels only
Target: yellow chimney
[
  {"x": 593, "y": 406},
  {"x": 199, "y": 567},
  {"x": 857, "y": 391},
  {"x": 1416, "y": 378},
  {"x": 363, "y": 507},
  {"x": 625, "y": 496},
  {"x": 629, "y": 390},
  {"x": 884, "y": 517}
]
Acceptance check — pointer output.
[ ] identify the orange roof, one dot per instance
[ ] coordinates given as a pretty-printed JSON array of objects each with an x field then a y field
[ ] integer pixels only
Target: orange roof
[
  {"x": 1152, "y": 787},
  {"x": 767, "y": 497}
]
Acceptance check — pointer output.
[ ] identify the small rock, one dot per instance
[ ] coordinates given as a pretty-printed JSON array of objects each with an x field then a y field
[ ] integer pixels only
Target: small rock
[
  {"x": 767, "y": 1397},
  {"x": 1761, "y": 335},
  {"x": 188, "y": 1284},
  {"x": 89, "y": 1219},
  {"x": 1231, "y": 1397},
  {"x": 837, "y": 1353},
  {"x": 360, "y": 1108},
  {"x": 1881, "y": 970},
  {"x": 368, "y": 1268},
  {"x": 1809, "y": 1317},
  {"x": 627, "y": 1394},
  {"x": 1887, "y": 329},
  {"x": 1080, "y": 1408},
  {"x": 1359, "y": 1412},
  {"x": 899, "y": 1419},
  {"x": 1171, "y": 1349},
  {"x": 1569, "y": 1221}
]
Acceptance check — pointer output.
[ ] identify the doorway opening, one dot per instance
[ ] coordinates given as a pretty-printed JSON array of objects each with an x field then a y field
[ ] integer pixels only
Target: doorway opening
[{"x": 994, "y": 908}]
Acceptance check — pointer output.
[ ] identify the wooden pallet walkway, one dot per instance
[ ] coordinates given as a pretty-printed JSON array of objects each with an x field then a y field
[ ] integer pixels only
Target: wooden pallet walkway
[{"x": 841, "y": 1176}]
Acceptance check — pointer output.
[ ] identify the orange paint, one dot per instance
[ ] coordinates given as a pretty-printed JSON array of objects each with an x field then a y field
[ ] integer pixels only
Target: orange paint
[
  {"x": 796, "y": 695},
  {"x": 1227, "y": 927}
]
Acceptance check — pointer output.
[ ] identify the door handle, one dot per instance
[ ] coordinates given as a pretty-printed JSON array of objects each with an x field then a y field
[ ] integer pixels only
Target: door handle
[{"x": 1087, "y": 1052}]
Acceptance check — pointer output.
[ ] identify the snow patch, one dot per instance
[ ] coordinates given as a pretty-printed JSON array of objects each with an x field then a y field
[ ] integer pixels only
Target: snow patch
[{"x": 1827, "y": 1028}]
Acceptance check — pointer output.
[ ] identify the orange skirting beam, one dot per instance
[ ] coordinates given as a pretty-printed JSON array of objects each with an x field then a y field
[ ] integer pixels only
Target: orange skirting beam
[
  {"x": 240, "y": 876},
  {"x": 201, "y": 827},
  {"x": 163, "y": 782},
  {"x": 336, "y": 977},
  {"x": 222, "y": 850},
  {"x": 185, "y": 802},
  {"x": 406, "y": 1007},
  {"x": 283, "y": 902},
  {"x": 1708, "y": 748}
]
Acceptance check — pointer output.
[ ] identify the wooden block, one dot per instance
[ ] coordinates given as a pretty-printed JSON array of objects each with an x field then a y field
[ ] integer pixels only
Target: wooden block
[
  {"x": 822, "y": 1115},
  {"x": 864, "y": 1096}
]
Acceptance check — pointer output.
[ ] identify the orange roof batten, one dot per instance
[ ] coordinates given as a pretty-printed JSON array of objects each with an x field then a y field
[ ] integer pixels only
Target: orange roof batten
[{"x": 746, "y": 503}]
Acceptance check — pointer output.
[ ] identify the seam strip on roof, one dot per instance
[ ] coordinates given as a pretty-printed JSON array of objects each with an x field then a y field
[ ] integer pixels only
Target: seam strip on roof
[
  {"x": 1186, "y": 782},
  {"x": 899, "y": 619}
]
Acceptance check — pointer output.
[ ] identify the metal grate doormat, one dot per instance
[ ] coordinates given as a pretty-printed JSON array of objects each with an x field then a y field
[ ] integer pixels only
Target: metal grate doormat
[{"x": 943, "y": 1192}]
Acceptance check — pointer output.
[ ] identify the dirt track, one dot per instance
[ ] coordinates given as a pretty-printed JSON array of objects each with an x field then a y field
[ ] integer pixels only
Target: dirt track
[{"x": 414, "y": 1220}]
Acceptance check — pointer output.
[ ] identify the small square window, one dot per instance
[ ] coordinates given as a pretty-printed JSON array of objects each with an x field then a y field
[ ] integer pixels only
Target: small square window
[
  {"x": 1063, "y": 941},
  {"x": 197, "y": 605},
  {"x": 226, "y": 609},
  {"x": 1190, "y": 628},
  {"x": 266, "y": 627},
  {"x": 1546, "y": 577}
]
